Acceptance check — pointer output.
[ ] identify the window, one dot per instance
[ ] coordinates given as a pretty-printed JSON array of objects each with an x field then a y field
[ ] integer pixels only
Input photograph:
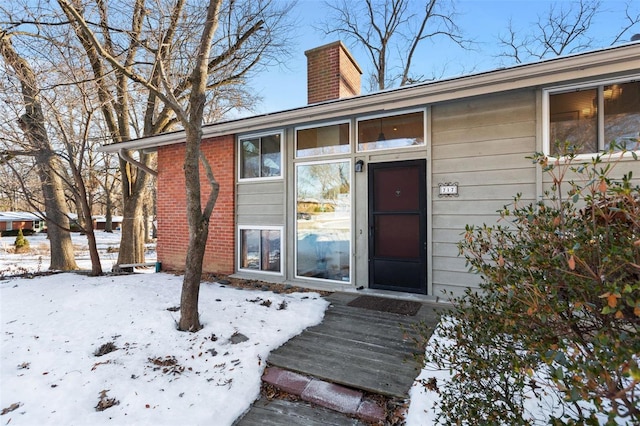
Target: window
[
  {"x": 260, "y": 156},
  {"x": 323, "y": 220},
  {"x": 591, "y": 118},
  {"x": 396, "y": 131},
  {"x": 260, "y": 249},
  {"x": 324, "y": 140}
]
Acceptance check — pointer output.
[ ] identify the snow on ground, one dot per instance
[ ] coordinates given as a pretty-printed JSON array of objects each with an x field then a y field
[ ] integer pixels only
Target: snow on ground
[
  {"x": 38, "y": 259},
  {"x": 53, "y": 326}
]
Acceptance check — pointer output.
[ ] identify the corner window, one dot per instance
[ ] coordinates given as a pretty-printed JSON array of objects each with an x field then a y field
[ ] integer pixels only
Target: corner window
[
  {"x": 589, "y": 119},
  {"x": 396, "y": 131},
  {"x": 260, "y": 156},
  {"x": 260, "y": 249},
  {"x": 323, "y": 140}
]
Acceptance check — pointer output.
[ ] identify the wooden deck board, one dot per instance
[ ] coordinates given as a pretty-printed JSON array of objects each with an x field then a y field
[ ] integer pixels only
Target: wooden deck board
[
  {"x": 368, "y": 332},
  {"x": 355, "y": 348},
  {"x": 279, "y": 412}
]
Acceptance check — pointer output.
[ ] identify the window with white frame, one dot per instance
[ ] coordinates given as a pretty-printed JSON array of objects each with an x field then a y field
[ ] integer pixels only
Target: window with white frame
[
  {"x": 260, "y": 156},
  {"x": 260, "y": 249},
  {"x": 588, "y": 118},
  {"x": 391, "y": 131}
]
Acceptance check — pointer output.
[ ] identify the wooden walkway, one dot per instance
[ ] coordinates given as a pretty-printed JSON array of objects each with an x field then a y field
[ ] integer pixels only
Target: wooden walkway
[
  {"x": 358, "y": 348},
  {"x": 280, "y": 412}
]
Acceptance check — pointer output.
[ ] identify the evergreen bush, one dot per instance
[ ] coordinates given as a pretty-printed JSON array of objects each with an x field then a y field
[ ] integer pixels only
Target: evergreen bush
[
  {"x": 21, "y": 244},
  {"x": 557, "y": 314}
]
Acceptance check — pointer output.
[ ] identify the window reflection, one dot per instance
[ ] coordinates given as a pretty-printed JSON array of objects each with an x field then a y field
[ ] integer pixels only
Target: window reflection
[
  {"x": 575, "y": 117},
  {"x": 325, "y": 140},
  {"x": 260, "y": 157},
  {"x": 622, "y": 115},
  {"x": 395, "y": 131},
  {"x": 574, "y": 121},
  {"x": 260, "y": 249},
  {"x": 323, "y": 212}
]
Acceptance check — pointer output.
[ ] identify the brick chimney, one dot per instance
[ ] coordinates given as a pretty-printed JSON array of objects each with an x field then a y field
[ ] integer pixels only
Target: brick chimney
[{"x": 332, "y": 73}]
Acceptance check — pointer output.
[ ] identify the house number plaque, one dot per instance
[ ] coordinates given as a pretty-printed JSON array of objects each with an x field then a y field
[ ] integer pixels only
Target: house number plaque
[{"x": 448, "y": 189}]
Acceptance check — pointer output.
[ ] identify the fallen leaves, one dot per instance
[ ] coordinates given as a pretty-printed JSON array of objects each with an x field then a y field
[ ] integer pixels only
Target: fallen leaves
[
  {"x": 105, "y": 402},
  {"x": 168, "y": 365},
  {"x": 10, "y": 408}
]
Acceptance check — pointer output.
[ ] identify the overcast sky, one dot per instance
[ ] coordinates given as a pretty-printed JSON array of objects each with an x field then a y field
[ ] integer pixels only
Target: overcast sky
[{"x": 481, "y": 20}]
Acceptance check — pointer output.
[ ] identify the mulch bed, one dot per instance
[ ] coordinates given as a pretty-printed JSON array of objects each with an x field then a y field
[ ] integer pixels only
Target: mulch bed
[{"x": 259, "y": 285}]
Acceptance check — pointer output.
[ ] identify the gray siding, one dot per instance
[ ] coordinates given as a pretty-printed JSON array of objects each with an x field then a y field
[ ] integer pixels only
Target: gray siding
[
  {"x": 624, "y": 166},
  {"x": 481, "y": 143},
  {"x": 261, "y": 203}
]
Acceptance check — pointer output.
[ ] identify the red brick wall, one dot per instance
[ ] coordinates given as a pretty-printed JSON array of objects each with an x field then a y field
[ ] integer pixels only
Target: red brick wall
[
  {"x": 332, "y": 73},
  {"x": 173, "y": 234},
  {"x": 15, "y": 225}
]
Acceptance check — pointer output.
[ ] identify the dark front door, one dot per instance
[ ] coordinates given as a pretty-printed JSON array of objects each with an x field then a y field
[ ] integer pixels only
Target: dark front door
[{"x": 397, "y": 226}]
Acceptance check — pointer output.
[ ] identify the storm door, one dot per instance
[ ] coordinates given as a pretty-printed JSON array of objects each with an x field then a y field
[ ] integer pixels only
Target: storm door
[{"x": 397, "y": 226}]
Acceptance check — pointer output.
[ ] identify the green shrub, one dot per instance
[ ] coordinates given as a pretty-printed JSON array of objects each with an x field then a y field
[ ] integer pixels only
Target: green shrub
[
  {"x": 557, "y": 314},
  {"x": 21, "y": 244}
]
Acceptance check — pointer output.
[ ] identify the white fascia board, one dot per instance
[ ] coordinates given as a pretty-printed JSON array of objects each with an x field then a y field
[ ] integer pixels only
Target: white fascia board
[{"x": 621, "y": 59}]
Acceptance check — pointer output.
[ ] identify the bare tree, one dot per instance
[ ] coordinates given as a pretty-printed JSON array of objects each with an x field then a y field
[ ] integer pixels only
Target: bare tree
[
  {"x": 565, "y": 28},
  {"x": 72, "y": 126},
  {"x": 13, "y": 172},
  {"x": 390, "y": 31},
  {"x": 32, "y": 123},
  {"x": 109, "y": 183},
  {"x": 196, "y": 56}
]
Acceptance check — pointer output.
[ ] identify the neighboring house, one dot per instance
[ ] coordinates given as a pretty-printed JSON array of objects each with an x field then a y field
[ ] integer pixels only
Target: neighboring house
[
  {"x": 99, "y": 222},
  {"x": 375, "y": 190},
  {"x": 11, "y": 222}
]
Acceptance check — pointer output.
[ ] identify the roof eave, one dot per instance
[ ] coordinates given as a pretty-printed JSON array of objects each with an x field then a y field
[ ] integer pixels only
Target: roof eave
[{"x": 549, "y": 72}]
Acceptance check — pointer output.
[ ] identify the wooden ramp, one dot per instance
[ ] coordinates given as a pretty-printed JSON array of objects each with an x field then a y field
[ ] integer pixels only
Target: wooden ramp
[{"x": 360, "y": 349}]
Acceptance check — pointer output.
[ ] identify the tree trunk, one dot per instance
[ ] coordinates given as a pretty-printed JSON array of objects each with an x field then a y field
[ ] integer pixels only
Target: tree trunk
[
  {"x": 108, "y": 217},
  {"x": 198, "y": 233},
  {"x": 145, "y": 221},
  {"x": 33, "y": 126},
  {"x": 132, "y": 239},
  {"x": 81, "y": 220},
  {"x": 134, "y": 188},
  {"x": 189, "y": 316},
  {"x": 61, "y": 247},
  {"x": 198, "y": 219},
  {"x": 96, "y": 265},
  {"x": 85, "y": 212}
]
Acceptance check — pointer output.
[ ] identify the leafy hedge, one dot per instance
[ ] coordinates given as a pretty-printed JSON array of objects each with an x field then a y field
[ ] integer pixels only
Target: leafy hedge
[{"x": 557, "y": 315}]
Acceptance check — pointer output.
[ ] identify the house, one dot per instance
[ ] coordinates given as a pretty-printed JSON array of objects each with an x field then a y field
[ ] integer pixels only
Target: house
[
  {"x": 11, "y": 222},
  {"x": 100, "y": 222},
  {"x": 375, "y": 190}
]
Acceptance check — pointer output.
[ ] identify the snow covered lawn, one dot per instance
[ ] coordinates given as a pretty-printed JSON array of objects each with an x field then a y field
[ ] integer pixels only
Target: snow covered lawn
[
  {"x": 54, "y": 328},
  {"x": 38, "y": 259}
]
